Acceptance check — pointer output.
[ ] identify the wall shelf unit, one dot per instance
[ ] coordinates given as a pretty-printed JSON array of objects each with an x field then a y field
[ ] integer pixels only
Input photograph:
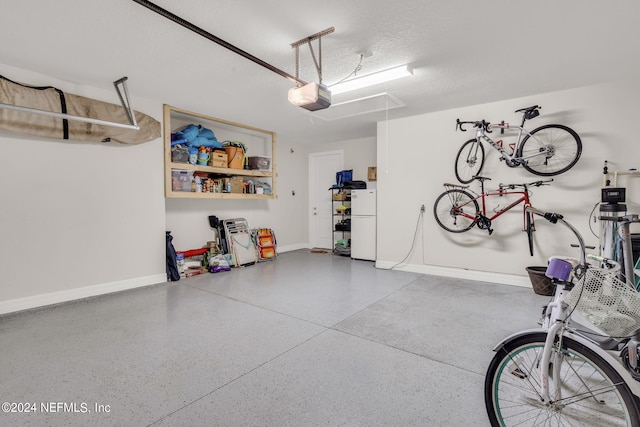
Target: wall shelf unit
[{"x": 259, "y": 143}]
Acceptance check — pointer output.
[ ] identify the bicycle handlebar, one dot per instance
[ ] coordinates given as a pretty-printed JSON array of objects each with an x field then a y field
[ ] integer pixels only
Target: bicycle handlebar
[
  {"x": 476, "y": 124},
  {"x": 525, "y": 185},
  {"x": 609, "y": 264},
  {"x": 554, "y": 218}
]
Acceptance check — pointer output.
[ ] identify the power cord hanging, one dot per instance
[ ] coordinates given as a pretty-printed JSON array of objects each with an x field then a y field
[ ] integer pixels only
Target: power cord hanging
[
  {"x": 419, "y": 224},
  {"x": 591, "y": 215},
  {"x": 353, "y": 73}
]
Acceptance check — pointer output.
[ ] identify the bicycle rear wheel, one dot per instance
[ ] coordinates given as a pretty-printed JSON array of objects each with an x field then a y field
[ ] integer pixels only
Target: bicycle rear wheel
[
  {"x": 455, "y": 210},
  {"x": 550, "y": 150},
  {"x": 469, "y": 161},
  {"x": 592, "y": 392}
]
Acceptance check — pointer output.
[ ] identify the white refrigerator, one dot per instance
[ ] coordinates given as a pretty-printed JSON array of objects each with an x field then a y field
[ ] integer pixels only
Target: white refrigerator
[{"x": 363, "y": 224}]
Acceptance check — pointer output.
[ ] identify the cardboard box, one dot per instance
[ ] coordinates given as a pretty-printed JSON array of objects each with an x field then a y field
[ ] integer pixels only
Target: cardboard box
[
  {"x": 372, "y": 173},
  {"x": 236, "y": 184},
  {"x": 218, "y": 159}
]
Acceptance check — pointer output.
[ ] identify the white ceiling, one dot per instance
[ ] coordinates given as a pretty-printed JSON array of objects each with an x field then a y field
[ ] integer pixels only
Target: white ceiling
[{"x": 463, "y": 52}]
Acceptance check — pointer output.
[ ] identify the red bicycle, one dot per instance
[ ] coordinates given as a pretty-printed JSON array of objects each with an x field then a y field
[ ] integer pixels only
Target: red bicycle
[{"x": 457, "y": 209}]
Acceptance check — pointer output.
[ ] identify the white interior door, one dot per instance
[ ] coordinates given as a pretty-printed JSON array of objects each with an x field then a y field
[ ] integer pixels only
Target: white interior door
[{"x": 322, "y": 175}]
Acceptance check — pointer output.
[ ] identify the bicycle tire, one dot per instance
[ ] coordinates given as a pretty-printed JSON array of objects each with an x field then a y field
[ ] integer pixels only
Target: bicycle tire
[
  {"x": 530, "y": 229},
  {"x": 469, "y": 161},
  {"x": 448, "y": 207},
  {"x": 565, "y": 146},
  {"x": 512, "y": 387}
]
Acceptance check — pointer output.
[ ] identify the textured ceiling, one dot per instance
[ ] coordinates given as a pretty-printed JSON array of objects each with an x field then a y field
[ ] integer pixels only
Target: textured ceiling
[{"x": 462, "y": 52}]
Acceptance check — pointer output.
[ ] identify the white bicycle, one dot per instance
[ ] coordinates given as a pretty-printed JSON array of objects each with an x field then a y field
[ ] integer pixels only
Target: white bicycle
[
  {"x": 581, "y": 368},
  {"x": 547, "y": 150}
]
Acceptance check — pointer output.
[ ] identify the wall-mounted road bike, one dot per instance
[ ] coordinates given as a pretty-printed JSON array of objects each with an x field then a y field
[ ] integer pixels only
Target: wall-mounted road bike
[
  {"x": 458, "y": 209},
  {"x": 547, "y": 150}
]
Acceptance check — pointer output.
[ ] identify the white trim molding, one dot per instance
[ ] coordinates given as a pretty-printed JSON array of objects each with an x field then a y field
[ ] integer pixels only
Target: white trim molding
[
  {"x": 35, "y": 301},
  {"x": 459, "y": 273}
]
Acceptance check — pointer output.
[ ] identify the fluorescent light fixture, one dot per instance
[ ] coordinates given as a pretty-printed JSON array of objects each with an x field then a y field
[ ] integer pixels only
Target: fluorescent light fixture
[
  {"x": 372, "y": 79},
  {"x": 311, "y": 96}
]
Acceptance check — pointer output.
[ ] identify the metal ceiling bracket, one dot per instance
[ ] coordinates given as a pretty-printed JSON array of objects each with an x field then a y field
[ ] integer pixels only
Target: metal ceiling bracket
[
  {"x": 307, "y": 40},
  {"x": 124, "y": 100}
]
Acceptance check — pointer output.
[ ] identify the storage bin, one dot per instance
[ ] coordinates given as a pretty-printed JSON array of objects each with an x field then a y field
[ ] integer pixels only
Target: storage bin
[
  {"x": 259, "y": 162},
  {"x": 235, "y": 157},
  {"x": 181, "y": 180}
]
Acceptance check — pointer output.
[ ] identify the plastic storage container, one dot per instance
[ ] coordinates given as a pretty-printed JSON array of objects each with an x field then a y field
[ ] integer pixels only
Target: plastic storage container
[
  {"x": 259, "y": 162},
  {"x": 181, "y": 180}
]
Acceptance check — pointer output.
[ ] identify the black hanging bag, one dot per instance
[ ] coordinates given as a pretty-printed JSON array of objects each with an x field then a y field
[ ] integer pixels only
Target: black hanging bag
[{"x": 172, "y": 263}]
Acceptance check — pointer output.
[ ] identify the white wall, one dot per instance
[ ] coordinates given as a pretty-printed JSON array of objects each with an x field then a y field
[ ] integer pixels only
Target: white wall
[
  {"x": 416, "y": 156},
  {"x": 77, "y": 218}
]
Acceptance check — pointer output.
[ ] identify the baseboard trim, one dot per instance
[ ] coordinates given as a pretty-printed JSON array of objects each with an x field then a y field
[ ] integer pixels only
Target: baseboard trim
[
  {"x": 460, "y": 273},
  {"x": 26, "y": 303},
  {"x": 289, "y": 248}
]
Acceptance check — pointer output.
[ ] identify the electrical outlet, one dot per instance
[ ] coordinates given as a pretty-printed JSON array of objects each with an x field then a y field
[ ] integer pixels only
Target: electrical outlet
[{"x": 422, "y": 209}]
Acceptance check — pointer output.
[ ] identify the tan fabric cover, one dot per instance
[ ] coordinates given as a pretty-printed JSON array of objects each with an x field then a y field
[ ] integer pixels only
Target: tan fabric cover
[{"x": 48, "y": 98}]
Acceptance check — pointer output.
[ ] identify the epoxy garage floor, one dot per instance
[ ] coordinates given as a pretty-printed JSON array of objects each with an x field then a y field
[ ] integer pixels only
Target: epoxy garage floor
[{"x": 306, "y": 340}]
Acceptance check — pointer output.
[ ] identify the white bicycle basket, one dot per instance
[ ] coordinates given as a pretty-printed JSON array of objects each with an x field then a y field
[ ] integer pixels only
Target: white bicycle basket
[{"x": 606, "y": 302}]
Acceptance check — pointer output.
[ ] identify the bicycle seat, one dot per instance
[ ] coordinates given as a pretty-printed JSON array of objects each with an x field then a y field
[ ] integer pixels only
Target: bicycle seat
[
  {"x": 530, "y": 112},
  {"x": 534, "y": 107},
  {"x": 482, "y": 178}
]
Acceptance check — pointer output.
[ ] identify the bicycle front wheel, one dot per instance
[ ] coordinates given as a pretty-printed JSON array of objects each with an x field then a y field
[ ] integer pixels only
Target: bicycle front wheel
[
  {"x": 550, "y": 150},
  {"x": 530, "y": 229},
  {"x": 585, "y": 390},
  {"x": 469, "y": 161},
  {"x": 455, "y": 210}
]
